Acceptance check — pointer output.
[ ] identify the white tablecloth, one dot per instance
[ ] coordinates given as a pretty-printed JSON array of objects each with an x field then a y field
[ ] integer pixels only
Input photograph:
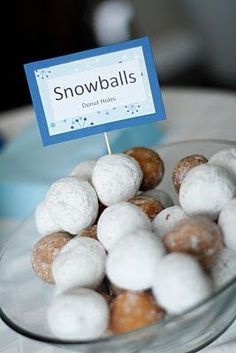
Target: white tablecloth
[{"x": 190, "y": 114}]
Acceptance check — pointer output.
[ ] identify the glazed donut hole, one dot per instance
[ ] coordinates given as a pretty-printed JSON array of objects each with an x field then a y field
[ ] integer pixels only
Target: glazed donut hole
[
  {"x": 159, "y": 195},
  {"x": 45, "y": 251},
  {"x": 197, "y": 236},
  {"x": 132, "y": 310},
  {"x": 151, "y": 165},
  {"x": 121, "y": 254},
  {"x": 150, "y": 206},
  {"x": 184, "y": 166}
]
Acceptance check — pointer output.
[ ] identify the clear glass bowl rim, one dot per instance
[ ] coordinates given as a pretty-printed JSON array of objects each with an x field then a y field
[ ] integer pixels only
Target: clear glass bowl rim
[{"x": 147, "y": 330}]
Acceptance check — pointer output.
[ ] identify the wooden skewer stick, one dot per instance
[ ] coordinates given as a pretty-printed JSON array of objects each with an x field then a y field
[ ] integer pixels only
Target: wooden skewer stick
[{"x": 107, "y": 142}]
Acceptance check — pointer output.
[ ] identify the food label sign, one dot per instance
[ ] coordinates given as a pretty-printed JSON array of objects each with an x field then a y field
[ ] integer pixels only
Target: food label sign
[{"x": 95, "y": 91}]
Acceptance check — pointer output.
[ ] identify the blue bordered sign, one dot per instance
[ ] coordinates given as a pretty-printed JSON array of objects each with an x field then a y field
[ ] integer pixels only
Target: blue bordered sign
[{"x": 95, "y": 91}]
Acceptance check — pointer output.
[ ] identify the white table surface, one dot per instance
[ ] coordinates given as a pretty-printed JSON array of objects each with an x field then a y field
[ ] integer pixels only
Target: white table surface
[{"x": 191, "y": 113}]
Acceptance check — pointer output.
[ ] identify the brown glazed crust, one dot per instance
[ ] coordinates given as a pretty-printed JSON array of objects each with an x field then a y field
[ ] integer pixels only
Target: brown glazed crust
[
  {"x": 90, "y": 232},
  {"x": 184, "y": 166},
  {"x": 45, "y": 251},
  {"x": 151, "y": 164},
  {"x": 149, "y": 205},
  {"x": 133, "y": 310},
  {"x": 197, "y": 236}
]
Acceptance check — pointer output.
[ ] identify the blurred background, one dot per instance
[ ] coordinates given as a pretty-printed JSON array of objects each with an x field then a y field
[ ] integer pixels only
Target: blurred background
[
  {"x": 193, "y": 41},
  {"x": 195, "y": 53},
  {"x": 194, "y": 48}
]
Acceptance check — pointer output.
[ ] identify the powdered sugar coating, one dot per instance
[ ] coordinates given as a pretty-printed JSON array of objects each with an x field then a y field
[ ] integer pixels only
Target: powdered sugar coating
[
  {"x": 78, "y": 314},
  {"x": 81, "y": 263},
  {"x": 72, "y": 204},
  {"x": 43, "y": 220},
  {"x": 118, "y": 220},
  {"x": 84, "y": 170},
  {"x": 225, "y": 158},
  {"x": 227, "y": 222},
  {"x": 180, "y": 283},
  {"x": 167, "y": 219},
  {"x": 74, "y": 243},
  {"x": 116, "y": 177},
  {"x": 224, "y": 269},
  {"x": 160, "y": 195},
  {"x": 133, "y": 261},
  {"x": 206, "y": 189}
]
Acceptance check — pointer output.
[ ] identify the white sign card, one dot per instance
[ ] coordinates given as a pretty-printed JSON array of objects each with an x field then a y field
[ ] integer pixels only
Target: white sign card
[{"x": 95, "y": 91}]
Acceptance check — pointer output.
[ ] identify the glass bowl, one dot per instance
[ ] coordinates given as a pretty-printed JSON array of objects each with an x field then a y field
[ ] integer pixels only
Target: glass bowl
[{"x": 24, "y": 298}]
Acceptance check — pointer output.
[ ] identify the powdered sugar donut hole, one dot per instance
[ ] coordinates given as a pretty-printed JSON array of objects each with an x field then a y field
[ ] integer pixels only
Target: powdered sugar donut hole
[
  {"x": 78, "y": 314},
  {"x": 206, "y": 189},
  {"x": 227, "y": 222},
  {"x": 116, "y": 177},
  {"x": 225, "y": 158},
  {"x": 151, "y": 164},
  {"x": 180, "y": 283},
  {"x": 72, "y": 204},
  {"x": 167, "y": 219},
  {"x": 84, "y": 170},
  {"x": 224, "y": 268},
  {"x": 81, "y": 264},
  {"x": 133, "y": 261},
  {"x": 43, "y": 220},
  {"x": 119, "y": 219}
]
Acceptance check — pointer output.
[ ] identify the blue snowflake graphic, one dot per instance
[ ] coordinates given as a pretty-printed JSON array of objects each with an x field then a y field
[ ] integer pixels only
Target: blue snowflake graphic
[
  {"x": 80, "y": 123},
  {"x": 43, "y": 73},
  {"x": 132, "y": 108}
]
